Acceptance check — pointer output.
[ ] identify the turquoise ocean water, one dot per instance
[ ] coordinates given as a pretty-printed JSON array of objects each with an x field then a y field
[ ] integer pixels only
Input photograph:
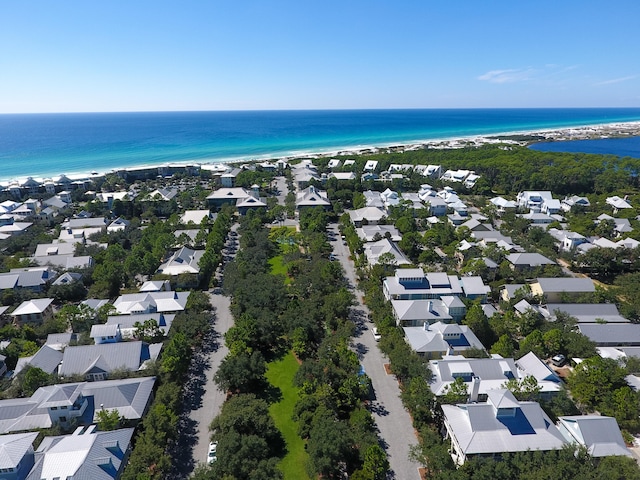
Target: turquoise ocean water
[{"x": 42, "y": 145}]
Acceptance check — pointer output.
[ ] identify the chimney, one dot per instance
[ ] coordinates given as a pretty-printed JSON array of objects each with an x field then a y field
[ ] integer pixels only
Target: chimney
[
  {"x": 475, "y": 389},
  {"x": 430, "y": 306},
  {"x": 426, "y": 326}
]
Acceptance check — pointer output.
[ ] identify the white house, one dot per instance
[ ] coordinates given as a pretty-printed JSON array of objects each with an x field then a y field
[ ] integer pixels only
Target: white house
[{"x": 501, "y": 425}]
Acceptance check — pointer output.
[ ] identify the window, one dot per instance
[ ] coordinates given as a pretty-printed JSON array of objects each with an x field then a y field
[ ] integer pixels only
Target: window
[
  {"x": 64, "y": 407},
  {"x": 63, "y": 419},
  {"x": 54, "y": 408}
]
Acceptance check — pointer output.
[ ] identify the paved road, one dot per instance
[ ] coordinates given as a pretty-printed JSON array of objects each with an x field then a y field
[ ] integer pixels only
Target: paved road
[
  {"x": 202, "y": 400},
  {"x": 393, "y": 421},
  {"x": 281, "y": 185}
]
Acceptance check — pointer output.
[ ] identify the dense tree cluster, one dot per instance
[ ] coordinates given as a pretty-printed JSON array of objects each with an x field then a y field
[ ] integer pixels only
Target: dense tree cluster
[{"x": 306, "y": 311}]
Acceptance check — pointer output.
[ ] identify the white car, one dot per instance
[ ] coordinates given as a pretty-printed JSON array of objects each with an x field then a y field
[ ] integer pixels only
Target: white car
[
  {"x": 376, "y": 335},
  {"x": 213, "y": 451}
]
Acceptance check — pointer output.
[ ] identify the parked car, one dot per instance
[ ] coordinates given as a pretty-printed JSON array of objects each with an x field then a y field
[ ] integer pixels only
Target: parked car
[
  {"x": 213, "y": 452},
  {"x": 376, "y": 335},
  {"x": 559, "y": 360}
]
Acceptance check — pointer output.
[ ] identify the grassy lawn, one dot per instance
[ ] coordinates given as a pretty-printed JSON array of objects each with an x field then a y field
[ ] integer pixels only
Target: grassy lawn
[
  {"x": 280, "y": 374},
  {"x": 279, "y": 268}
]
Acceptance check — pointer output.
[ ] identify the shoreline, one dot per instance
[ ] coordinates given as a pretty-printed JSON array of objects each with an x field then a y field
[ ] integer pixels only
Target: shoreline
[{"x": 571, "y": 133}]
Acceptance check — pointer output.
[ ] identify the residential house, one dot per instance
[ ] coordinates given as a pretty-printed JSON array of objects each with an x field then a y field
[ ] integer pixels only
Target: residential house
[
  {"x": 155, "y": 286},
  {"x": 501, "y": 425},
  {"x": 539, "y": 218},
  {"x": 37, "y": 310},
  {"x": 437, "y": 206},
  {"x": 533, "y": 200},
  {"x": 60, "y": 341},
  {"x": 95, "y": 362},
  {"x": 618, "y": 203},
  {"x": 106, "y": 333},
  {"x": 558, "y": 290},
  {"x": 228, "y": 179},
  {"x": 433, "y": 171},
  {"x": 502, "y": 205},
  {"x": 371, "y": 165},
  {"x": 387, "y": 250},
  {"x": 311, "y": 197},
  {"x": 67, "y": 278},
  {"x": 183, "y": 261},
  {"x": 250, "y": 203},
  {"x": 16, "y": 455},
  {"x": 620, "y": 225},
  {"x": 118, "y": 225},
  {"x": 527, "y": 261},
  {"x": 342, "y": 175},
  {"x": 32, "y": 278},
  {"x": 69, "y": 403},
  {"x": 475, "y": 225},
  {"x": 567, "y": 240},
  {"x": 485, "y": 374},
  {"x": 161, "y": 195},
  {"x": 304, "y": 173},
  {"x": 52, "y": 249},
  {"x": 373, "y": 199},
  {"x": 151, "y": 302},
  {"x": 196, "y": 216},
  {"x": 600, "y": 435},
  {"x": 64, "y": 262},
  {"x": 574, "y": 202},
  {"x": 414, "y": 284},
  {"x": 414, "y": 313},
  {"x": 390, "y": 198},
  {"x": 127, "y": 323},
  {"x": 584, "y": 312},
  {"x": 47, "y": 359},
  {"x": 439, "y": 339},
  {"x": 227, "y": 196},
  {"x": 370, "y": 233},
  {"x": 612, "y": 334},
  {"x": 13, "y": 228},
  {"x": 87, "y": 453},
  {"x": 455, "y": 175}
]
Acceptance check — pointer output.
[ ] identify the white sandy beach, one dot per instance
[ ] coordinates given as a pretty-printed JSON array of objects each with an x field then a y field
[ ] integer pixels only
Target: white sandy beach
[{"x": 586, "y": 132}]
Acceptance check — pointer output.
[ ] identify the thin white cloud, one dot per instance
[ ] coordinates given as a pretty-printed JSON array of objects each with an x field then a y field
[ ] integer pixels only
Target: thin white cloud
[
  {"x": 615, "y": 80},
  {"x": 507, "y": 76}
]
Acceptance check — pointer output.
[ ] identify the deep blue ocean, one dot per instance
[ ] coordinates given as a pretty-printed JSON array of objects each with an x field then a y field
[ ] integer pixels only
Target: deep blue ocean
[{"x": 42, "y": 145}]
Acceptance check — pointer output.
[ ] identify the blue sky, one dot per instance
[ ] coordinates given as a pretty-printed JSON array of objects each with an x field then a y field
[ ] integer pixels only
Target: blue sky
[{"x": 66, "y": 56}]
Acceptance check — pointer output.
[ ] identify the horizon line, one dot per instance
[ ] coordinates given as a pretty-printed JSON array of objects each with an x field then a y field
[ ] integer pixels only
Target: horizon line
[{"x": 315, "y": 110}]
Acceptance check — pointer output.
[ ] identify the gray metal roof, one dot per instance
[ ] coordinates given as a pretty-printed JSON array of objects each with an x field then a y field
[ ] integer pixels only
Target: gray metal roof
[
  {"x": 426, "y": 310},
  {"x": 129, "y": 396},
  {"x": 13, "y": 448},
  {"x": 104, "y": 330},
  {"x": 601, "y": 435},
  {"x": 478, "y": 430},
  {"x": 86, "y": 455},
  {"x": 566, "y": 284},
  {"x": 529, "y": 259},
  {"x": 612, "y": 334},
  {"x": 106, "y": 357},
  {"x": 47, "y": 359},
  {"x": 588, "y": 312}
]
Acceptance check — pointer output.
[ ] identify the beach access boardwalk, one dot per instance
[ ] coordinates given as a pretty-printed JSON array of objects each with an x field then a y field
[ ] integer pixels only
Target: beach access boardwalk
[{"x": 391, "y": 418}]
